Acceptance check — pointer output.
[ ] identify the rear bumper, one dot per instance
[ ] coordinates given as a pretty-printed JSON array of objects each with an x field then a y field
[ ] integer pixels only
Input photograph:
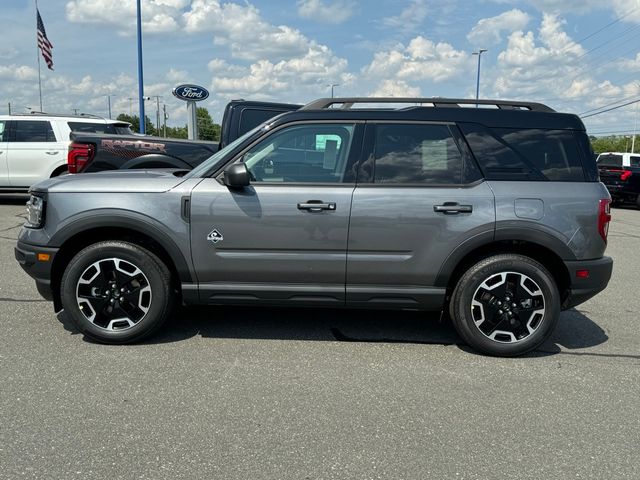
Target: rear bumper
[
  {"x": 582, "y": 289},
  {"x": 40, "y": 271}
]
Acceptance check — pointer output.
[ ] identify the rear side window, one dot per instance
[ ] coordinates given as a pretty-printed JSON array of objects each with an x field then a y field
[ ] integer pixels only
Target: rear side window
[
  {"x": 87, "y": 127},
  {"x": 610, "y": 160},
  {"x": 525, "y": 154},
  {"x": 553, "y": 152},
  {"x": 634, "y": 161},
  {"x": 33, "y": 131},
  {"x": 416, "y": 154}
]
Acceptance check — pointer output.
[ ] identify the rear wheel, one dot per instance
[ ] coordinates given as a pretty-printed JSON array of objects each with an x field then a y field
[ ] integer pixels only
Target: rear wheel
[
  {"x": 505, "y": 305},
  {"x": 116, "y": 292}
]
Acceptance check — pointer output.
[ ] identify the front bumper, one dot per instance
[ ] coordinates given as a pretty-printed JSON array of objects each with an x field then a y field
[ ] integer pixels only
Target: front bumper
[
  {"x": 39, "y": 270},
  {"x": 582, "y": 289}
]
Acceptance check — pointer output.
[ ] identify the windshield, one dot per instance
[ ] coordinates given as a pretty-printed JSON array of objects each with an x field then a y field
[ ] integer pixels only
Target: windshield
[{"x": 210, "y": 162}]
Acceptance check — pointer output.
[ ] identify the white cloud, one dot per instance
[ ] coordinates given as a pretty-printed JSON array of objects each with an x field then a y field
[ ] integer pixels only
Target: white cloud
[
  {"x": 627, "y": 8},
  {"x": 334, "y": 12},
  {"x": 18, "y": 72},
  {"x": 629, "y": 64},
  {"x": 302, "y": 77},
  {"x": 410, "y": 18},
  {"x": 422, "y": 59},
  {"x": 242, "y": 29},
  {"x": 158, "y": 16},
  {"x": 488, "y": 31},
  {"x": 395, "y": 88}
]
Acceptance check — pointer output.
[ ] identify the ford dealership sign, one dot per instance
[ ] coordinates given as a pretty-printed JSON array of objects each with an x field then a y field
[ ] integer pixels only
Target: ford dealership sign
[{"x": 192, "y": 93}]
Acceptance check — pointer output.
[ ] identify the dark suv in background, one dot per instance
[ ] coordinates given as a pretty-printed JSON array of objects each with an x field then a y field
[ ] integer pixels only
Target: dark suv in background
[{"x": 493, "y": 215}]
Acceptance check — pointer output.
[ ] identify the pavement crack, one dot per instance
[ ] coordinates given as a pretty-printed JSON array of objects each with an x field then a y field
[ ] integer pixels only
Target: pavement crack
[
  {"x": 592, "y": 354},
  {"x": 22, "y": 300},
  {"x": 11, "y": 228}
]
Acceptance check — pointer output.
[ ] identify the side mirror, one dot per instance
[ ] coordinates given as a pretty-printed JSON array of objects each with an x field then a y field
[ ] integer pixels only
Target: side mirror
[{"x": 236, "y": 176}]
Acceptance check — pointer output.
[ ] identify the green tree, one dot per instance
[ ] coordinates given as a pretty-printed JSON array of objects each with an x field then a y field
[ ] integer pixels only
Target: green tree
[
  {"x": 207, "y": 130},
  {"x": 612, "y": 143},
  {"x": 134, "y": 120}
]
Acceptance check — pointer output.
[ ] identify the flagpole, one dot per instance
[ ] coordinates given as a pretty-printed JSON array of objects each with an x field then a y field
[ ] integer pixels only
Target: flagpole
[{"x": 38, "y": 56}]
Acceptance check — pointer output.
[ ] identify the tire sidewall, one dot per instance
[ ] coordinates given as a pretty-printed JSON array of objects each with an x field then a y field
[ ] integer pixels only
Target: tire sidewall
[
  {"x": 470, "y": 282},
  {"x": 138, "y": 257}
]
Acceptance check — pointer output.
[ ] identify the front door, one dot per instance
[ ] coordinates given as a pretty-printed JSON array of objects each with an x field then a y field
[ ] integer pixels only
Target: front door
[{"x": 283, "y": 239}]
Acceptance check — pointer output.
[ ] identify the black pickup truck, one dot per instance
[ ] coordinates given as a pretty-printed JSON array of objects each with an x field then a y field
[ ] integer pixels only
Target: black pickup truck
[
  {"x": 89, "y": 152},
  {"x": 620, "y": 172}
]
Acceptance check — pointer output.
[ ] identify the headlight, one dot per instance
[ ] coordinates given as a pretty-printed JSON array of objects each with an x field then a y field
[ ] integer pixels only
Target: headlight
[{"x": 35, "y": 212}]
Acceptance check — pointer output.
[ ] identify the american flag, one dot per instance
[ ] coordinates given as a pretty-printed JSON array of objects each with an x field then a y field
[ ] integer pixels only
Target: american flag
[{"x": 44, "y": 44}]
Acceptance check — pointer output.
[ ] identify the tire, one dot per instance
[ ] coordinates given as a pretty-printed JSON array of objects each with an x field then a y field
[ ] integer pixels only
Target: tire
[
  {"x": 116, "y": 292},
  {"x": 505, "y": 305}
]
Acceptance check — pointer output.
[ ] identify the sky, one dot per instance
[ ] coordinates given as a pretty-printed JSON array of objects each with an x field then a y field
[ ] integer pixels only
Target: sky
[{"x": 578, "y": 56}]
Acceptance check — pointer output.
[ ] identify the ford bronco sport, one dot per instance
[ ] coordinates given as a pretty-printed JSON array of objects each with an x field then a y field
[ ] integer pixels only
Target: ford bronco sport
[{"x": 493, "y": 215}]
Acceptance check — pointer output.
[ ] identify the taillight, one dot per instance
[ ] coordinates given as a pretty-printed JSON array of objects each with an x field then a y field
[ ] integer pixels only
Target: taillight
[
  {"x": 625, "y": 175},
  {"x": 604, "y": 217},
  {"x": 78, "y": 156}
]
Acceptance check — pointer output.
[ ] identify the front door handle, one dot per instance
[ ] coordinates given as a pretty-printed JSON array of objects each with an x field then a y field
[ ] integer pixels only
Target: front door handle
[
  {"x": 316, "y": 206},
  {"x": 452, "y": 208}
]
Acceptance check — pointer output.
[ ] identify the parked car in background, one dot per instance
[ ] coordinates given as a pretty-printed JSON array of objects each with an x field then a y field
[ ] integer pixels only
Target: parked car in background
[
  {"x": 494, "y": 215},
  {"x": 620, "y": 172},
  {"x": 34, "y": 146},
  {"x": 96, "y": 152}
]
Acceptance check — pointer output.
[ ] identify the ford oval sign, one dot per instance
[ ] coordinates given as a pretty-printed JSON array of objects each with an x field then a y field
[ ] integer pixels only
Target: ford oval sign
[{"x": 192, "y": 93}]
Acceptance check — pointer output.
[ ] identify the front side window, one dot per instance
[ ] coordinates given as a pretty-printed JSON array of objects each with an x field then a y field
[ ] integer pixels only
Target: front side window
[
  {"x": 307, "y": 153},
  {"x": 416, "y": 154},
  {"x": 634, "y": 161},
  {"x": 33, "y": 131}
]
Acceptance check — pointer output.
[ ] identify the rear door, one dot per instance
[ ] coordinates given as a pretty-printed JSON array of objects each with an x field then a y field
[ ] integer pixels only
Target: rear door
[
  {"x": 419, "y": 196},
  {"x": 283, "y": 239},
  {"x": 34, "y": 152}
]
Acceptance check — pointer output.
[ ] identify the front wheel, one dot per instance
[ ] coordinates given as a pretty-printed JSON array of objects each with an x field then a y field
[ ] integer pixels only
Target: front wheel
[
  {"x": 505, "y": 305},
  {"x": 116, "y": 292}
]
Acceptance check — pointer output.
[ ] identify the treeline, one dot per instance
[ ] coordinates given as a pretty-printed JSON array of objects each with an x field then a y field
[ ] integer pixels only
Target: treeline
[
  {"x": 207, "y": 129},
  {"x": 614, "y": 143}
]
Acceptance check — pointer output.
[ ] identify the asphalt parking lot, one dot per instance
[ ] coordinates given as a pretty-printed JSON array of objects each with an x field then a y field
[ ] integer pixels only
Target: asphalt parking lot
[{"x": 319, "y": 394}]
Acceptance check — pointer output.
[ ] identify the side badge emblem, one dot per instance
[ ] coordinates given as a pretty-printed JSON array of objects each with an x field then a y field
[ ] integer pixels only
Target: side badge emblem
[{"x": 215, "y": 236}]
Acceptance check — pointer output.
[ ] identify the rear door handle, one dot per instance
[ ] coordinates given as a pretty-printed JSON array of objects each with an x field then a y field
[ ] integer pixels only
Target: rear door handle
[
  {"x": 50, "y": 152},
  {"x": 452, "y": 208},
  {"x": 316, "y": 206}
]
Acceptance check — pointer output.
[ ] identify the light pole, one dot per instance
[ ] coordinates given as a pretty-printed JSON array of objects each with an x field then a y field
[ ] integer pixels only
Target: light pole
[
  {"x": 140, "y": 73},
  {"x": 635, "y": 123},
  {"x": 479, "y": 53},
  {"x": 332, "y": 85},
  {"x": 109, "y": 102}
]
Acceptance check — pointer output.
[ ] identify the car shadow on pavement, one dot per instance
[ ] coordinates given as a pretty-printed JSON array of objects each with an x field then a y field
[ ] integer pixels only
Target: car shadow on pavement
[
  {"x": 574, "y": 331},
  {"x": 13, "y": 199}
]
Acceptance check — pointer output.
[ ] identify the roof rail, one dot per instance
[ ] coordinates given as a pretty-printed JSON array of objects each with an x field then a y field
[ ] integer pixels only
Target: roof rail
[
  {"x": 34, "y": 113},
  {"x": 348, "y": 102}
]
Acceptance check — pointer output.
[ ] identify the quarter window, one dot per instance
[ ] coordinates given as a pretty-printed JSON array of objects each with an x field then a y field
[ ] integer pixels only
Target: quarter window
[
  {"x": 302, "y": 154},
  {"x": 33, "y": 131},
  {"x": 416, "y": 154}
]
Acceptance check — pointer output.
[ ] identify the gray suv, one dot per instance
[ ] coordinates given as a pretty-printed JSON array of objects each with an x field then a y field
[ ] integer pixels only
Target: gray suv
[{"x": 493, "y": 215}]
